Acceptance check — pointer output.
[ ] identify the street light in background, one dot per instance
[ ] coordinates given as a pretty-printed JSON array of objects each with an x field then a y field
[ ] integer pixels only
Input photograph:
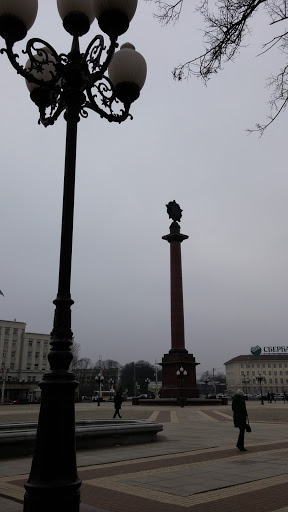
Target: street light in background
[
  {"x": 261, "y": 379},
  {"x": 72, "y": 84},
  {"x": 246, "y": 382},
  {"x": 99, "y": 378},
  {"x": 111, "y": 383},
  {"x": 4, "y": 372},
  {"x": 147, "y": 381},
  {"x": 181, "y": 373},
  {"x": 206, "y": 382}
]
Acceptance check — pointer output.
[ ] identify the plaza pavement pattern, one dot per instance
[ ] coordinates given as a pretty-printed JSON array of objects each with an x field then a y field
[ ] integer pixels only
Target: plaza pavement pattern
[{"x": 193, "y": 467}]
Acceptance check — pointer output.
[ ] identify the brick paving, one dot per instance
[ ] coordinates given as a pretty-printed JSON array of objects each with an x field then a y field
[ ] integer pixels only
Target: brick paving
[{"x": 194, "y": 467}]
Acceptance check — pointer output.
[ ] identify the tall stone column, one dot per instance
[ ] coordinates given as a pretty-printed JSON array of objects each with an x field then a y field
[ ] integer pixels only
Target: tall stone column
[
  {"x": 178, "y": 356},
  {"x": 176, "y": 294}
]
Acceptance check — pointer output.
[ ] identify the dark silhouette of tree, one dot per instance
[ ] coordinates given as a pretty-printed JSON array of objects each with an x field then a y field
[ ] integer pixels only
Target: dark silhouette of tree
[
  {"x": 227, "y": 27},
  {"x": 137, "y": 372}
]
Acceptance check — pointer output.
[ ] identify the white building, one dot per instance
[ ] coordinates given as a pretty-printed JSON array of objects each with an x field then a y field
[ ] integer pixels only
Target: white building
[
  {"x": 244, "y": 372},
  {"x": 23, "y": 358}
]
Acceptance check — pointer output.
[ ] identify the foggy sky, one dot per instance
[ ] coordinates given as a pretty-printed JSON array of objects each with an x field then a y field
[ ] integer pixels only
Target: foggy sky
[{"x": 186, "y": 142}]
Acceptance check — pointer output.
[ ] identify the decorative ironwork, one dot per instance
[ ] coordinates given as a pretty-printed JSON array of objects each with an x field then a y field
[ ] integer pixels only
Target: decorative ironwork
[{"x": 54, "y": 75}]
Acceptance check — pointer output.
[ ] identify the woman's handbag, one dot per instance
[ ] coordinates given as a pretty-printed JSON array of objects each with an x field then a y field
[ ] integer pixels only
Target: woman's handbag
[{"x": 247, "y": 426}]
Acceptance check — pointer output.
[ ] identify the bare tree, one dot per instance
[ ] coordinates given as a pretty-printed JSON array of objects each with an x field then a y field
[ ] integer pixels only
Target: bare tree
[{"x": 226, "y": 30}]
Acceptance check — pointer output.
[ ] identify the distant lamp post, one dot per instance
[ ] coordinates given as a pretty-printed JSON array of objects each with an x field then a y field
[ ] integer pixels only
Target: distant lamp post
[
  {"x": 246, "y": 382},
  {"x": 261, "y": 379},
  {"x": 99, "y": 378},
  {"x": 206, "y": 382},
  {"x": 71, "y": 84},
  {"x": 5, "y": 372},
  {"x": 147, "y": 381},
  {"x": 111, "y": 384},
  {"x": 181, "y": 374}
]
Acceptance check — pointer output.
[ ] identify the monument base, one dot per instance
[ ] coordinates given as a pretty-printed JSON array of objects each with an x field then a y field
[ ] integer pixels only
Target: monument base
[{"x": 174, "y": 386}]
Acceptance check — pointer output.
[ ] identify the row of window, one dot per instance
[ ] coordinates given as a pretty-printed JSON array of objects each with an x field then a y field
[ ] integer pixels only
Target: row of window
[
  {"x": 263, "y": 365},
  {"x": 275, "y": 372}
]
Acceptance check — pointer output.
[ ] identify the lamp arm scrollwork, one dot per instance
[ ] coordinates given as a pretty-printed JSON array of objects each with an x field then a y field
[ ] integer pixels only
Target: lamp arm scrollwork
[{"x": 40, "y": 58}]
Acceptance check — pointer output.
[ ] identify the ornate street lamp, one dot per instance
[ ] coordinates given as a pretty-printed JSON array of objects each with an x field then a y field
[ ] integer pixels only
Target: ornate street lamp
[
  {"x": 4, "y": 373},
  {"x": 147, "y": 381},
  {"x": 246, "y": 382},
  {"x": 111, "y": 383},
  {"x": 100, "y": 378},
  {"x": 181, "y": 373},
  {"x": 72, "y": 84},
  {"x": 261, "y": 379},
  {"x": 206, "y": 382}
]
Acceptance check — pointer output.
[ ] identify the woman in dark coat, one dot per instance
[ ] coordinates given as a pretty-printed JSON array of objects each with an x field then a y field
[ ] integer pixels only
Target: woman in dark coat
[
  {"x": 117, "y": 404},
  {"x": 239, "y": 417}
]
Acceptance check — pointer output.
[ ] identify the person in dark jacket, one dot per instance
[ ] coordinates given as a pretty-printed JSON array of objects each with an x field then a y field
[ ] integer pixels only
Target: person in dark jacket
[
  {"x": 117, "y": 404},
  {"x": 239, "y": 417}
]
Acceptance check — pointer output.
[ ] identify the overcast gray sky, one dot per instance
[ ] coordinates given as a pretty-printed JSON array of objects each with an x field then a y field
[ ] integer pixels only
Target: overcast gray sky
[{"x": 186, "y": 142}]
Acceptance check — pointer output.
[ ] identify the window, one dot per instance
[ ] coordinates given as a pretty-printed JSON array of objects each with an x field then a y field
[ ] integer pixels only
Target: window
[
  {"x": 12, "y": 366},
  {"x": 276, "y": 381},
  {"x": 36, "y": 366},
  {"x": 275, "y": 366},
  {"x": 281, "y": 381},
  {"x": 28, "y": 366},
  {"x": 13, "y": 354},
  {"x": 275, "y": 373},
  {"x": 37, "y": 355},
  {"x": 253, "y": 373},
  {"x": 281, "y": 373},
  {"x": 270, "y": 381},
  {"x": 264, "y": 372},
  {"x": 29, "y": 354},
  {"x": 33, "y": 379},
  {"x": 38, "y": 343},
  {"x": 264, "y": 365},
  {"x": 269, "y": 365},
  {"x": 29, "y": 378},
  {"x": 44, "y": 356},
  {"x": 30, "y": 344},
  {"x": 7, "y": 331},
  {"x": 252, "y": 365},
  {"x": 270, "y": 373},
  {"x": 45, "y": 344},
  {"x": 280, "y": 365},
  {"x": 258, "y": 365}
]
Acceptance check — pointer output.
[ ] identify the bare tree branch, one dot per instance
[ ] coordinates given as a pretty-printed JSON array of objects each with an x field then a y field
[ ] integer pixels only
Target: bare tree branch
[{"x": 224, "y": 34}]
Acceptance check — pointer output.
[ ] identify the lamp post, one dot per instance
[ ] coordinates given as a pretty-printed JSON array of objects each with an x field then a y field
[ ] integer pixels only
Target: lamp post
[
  {"x": 72, "y": 84},
  {"x": 147, "y": 381},
  {"x": 245, "y": 383},
  {"x": 5, "y": 372},
  {"x": 99, "y": 378},
  {"x": 261, "y": 379},
  {"x": 206, "y": 382},
  {"x": 111, "y": 383},
  {"x": 181, "y": 373}
]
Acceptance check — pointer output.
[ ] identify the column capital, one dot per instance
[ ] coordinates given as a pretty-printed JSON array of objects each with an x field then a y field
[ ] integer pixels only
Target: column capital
[{"x": 175, "y": 235}]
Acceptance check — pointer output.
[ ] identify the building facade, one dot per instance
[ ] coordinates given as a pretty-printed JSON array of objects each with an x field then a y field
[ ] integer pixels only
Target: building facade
[
  {"x": 23, "y": 359},
  {"x": 250, "y": 372}
]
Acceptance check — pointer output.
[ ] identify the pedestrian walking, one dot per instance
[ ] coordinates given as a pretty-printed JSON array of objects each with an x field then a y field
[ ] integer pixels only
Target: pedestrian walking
[
  {"x": 117, "y": 404},
  {"x": 268, "y": 397},
  {"x": 284, "y": 397},
  {"x": 239, "y": 417},
  {"x": 273, "y": 398}
]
